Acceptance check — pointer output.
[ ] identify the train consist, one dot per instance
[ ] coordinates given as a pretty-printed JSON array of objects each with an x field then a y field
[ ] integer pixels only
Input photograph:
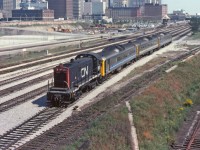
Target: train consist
[{"x": 90, "y": 69}]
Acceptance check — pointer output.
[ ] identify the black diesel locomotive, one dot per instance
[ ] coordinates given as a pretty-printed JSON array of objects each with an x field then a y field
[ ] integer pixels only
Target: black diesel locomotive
[{"x": 89, "y": 69}]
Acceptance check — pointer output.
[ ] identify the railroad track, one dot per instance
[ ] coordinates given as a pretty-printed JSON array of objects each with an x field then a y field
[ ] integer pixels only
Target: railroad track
[
  {"x": 72, "y": 128},
  {"x": 62, "y": 41},
  {"x": 18, "y": 87},
  {"x": 7, "y": 81},
  {"x": 67, "y": 131},
  {"x": 25, "y": 97},
  {"x": 192, "y": 140},
  {"x": 88, "y": 49},
  {"x": 21, "y": 99},
  {"x": 35, "y": 72},
  {"x": 8, "y": 140}
]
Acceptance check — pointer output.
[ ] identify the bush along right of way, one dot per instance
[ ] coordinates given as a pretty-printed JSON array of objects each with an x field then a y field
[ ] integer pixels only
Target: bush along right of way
[{"x": 161, "y": 108}]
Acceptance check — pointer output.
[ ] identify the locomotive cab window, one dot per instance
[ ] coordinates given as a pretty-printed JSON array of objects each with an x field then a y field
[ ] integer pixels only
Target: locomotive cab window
[{"x": 60, "y": 79}]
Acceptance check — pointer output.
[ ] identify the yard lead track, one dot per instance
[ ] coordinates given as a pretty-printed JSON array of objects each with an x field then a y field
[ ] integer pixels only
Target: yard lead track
[
  {"x": 21, "y": 99},
  {"x": 7, "y": 81},
  {"x": 8, "y": 140},
  {"x": 192, "y": 140},
  {"x": 24, "y": 84},
  {"x": 73, "y": 127}
]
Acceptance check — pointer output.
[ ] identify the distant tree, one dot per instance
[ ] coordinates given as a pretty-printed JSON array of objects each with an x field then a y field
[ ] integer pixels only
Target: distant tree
[{"x": 195, "y": 23}]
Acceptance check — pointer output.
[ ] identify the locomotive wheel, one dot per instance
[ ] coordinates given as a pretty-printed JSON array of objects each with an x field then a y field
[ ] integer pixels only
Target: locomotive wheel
[
  {"x": 93, "y": 85},
  {"x": 99, "y": 81}
]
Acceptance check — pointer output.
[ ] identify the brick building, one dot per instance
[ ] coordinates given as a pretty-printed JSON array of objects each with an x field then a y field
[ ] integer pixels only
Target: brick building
[
  {"x": 157, "y": 11},
  {"x": 147, "y": 11},
  {"x": 123, "y": 13}
]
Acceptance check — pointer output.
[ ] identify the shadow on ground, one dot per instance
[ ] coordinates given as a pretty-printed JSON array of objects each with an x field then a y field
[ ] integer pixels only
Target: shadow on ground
[{"x": 41, "y": 102}]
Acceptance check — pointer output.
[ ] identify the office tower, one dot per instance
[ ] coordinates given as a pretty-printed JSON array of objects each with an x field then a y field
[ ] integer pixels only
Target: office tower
[
  {"x": 157, "y": 2},
  {"x": 68, "y": 9},
  {"x": 73, "y": 9},
  {"x": 1, "y": 4},
  {"x": 16, "y": 4},
  {"x": 7, "y": 6},
  {"x": 119, "y": 3},
  {"x": 95, "y": 7}
]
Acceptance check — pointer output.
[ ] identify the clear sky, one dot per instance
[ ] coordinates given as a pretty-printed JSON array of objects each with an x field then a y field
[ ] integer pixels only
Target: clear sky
[{"x": 190, "y": 6}]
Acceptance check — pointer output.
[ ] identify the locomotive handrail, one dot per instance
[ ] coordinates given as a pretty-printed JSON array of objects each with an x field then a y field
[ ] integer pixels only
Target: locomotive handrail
[{"x": 67, "y": 84}]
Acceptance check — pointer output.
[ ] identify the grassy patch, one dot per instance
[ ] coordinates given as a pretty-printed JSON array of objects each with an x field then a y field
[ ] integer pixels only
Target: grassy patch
[
  {"x": 147, "y": 66},
  {"x": 162, "y": 107},
  {"x": 196, "y": 35},
  {"x": 110, "y": 132},
  {"x": 35, "y": 55},
  {"x": 20, "y": 57}
]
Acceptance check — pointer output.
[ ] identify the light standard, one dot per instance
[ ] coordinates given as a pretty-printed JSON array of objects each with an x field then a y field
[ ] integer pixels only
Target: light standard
[
  {"x": 24, "y": 51},
  {"x": 26, "y": 16}
]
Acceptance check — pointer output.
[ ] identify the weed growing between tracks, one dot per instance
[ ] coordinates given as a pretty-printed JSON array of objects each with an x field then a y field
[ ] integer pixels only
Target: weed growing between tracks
[
  {"x": 110, "y": 131},
  {"x": 34, "y": 55},
  {"x": 14, "y": 59},
  {"x": 20, "y": 58},
  {"x": 159, "y": 110}
]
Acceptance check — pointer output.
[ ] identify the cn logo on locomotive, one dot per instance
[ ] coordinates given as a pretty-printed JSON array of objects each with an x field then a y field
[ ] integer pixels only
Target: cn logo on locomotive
[{"x": 84, "y": 71}]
